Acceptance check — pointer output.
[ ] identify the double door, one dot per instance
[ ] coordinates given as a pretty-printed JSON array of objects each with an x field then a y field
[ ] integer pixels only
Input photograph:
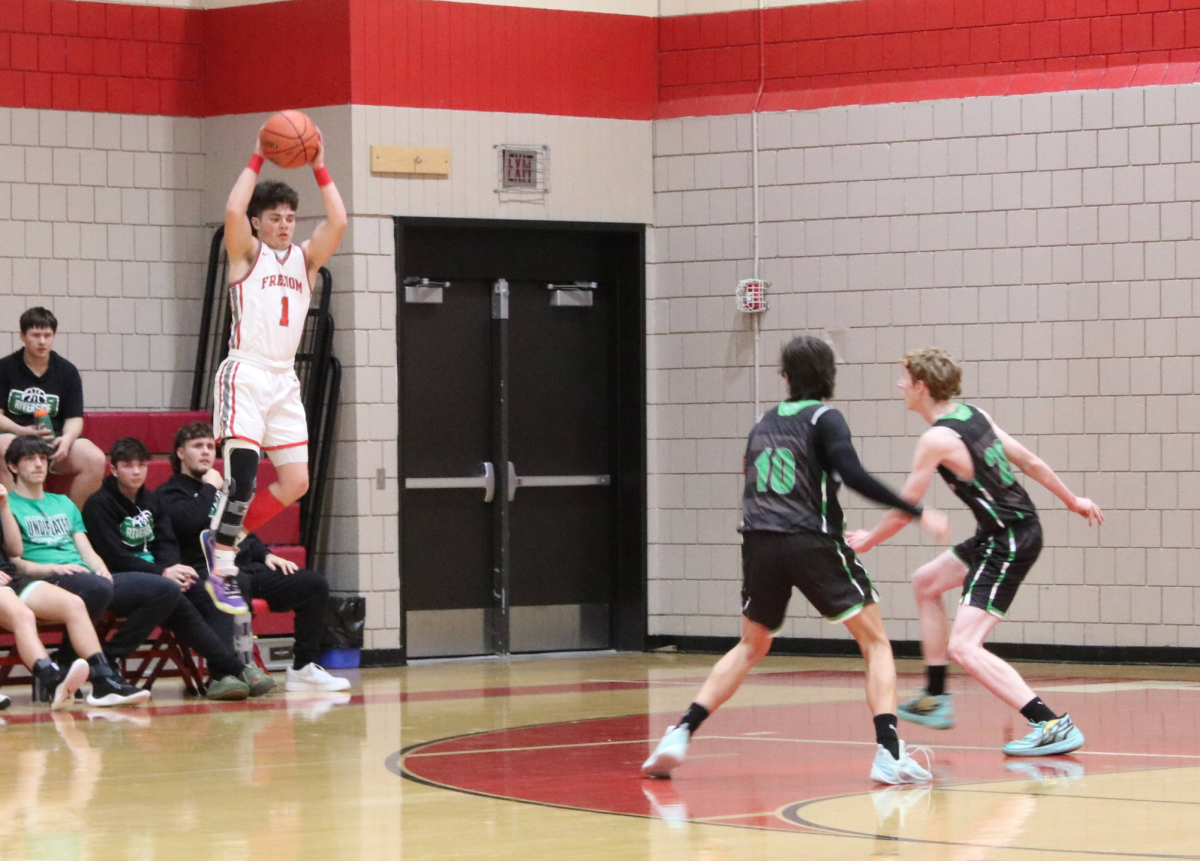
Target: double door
[{"x": 507, "y": 463}]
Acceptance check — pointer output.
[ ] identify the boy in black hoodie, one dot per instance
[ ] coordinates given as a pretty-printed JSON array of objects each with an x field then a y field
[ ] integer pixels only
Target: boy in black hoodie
[
  {"x": 130, "y": 531},
  {"x": 190, "y": 497}
]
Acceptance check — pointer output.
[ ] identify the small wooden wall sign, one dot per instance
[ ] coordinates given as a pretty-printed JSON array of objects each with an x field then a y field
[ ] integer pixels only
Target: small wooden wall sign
[{"x": 410, "y": 159}]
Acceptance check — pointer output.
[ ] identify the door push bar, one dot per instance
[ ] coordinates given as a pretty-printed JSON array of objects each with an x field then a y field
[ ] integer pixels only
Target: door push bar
[
  {"x": 515, "y": 481},
  {"x": 485, "y": 482}
]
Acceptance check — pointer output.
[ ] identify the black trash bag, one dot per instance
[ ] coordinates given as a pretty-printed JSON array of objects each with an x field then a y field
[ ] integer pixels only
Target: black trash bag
[{"x": 345, "y": 620}]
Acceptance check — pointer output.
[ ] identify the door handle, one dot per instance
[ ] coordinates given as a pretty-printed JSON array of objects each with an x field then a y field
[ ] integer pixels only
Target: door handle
[
  {"x": 515, "y": 481},
  {"x": 485, "y": 482}
]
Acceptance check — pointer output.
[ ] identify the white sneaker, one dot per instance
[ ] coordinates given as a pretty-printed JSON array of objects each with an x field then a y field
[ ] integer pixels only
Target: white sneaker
[
  {"x": 314, "y": 705},
  {"x": 902, "y": 770},
  {"x": 669, "y": 754},
  {"x": 312, "y": 677}
]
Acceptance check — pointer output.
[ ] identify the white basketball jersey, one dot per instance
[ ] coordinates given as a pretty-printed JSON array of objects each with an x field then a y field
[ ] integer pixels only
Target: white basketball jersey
[{"x": 269, "y": 308}]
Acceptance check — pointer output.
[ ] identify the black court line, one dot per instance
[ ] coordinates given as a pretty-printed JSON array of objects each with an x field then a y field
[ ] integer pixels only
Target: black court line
[
  {"x": 395, "y": 764},
  {"x": 791, "y": 814}
]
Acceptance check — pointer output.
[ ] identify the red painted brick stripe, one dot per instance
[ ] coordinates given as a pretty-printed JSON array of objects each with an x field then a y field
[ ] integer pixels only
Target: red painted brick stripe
[
  {"x": 873, "y": 51},
  {"x": 105, "y": 57}
]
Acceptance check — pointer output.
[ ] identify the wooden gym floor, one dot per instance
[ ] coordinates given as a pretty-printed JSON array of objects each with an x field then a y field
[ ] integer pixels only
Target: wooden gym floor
[{"x": 538, "y": 758}]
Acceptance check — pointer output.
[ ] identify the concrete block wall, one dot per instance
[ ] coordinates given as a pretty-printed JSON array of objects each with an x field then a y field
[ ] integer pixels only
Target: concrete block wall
[
  {"x": 1052, "y": 241},
  {"x": 101, "y": 219},
  {"x": 601, "y": 170}
]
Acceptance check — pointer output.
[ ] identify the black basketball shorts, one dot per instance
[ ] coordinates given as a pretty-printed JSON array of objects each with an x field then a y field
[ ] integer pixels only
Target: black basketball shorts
[
  {"x": 822, "y": 567},
  {"x": 996, "y": 563}
]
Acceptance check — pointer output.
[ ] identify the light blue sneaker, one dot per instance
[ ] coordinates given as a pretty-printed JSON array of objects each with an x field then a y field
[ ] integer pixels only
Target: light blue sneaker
[
  {"x": 902, "y": 770},
  {"x": 1049, "y": 737},
  {"x": 669, "y": 754},
  {"x": 935, "y": 712}
]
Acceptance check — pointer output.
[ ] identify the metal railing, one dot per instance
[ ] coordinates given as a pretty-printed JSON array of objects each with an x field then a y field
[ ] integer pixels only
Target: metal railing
[{"x": 319, "y": 373}]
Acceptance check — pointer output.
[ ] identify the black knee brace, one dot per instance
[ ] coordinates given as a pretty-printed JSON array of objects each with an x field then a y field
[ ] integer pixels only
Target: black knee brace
[{"x": 241, "y": 474}]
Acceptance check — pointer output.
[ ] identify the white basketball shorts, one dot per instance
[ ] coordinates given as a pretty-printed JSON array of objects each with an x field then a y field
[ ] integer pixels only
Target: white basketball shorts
[{"x": 261, "y": 407}]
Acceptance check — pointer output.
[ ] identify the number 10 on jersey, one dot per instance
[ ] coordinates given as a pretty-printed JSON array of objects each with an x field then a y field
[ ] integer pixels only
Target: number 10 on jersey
[{"x": 775, "y": 468}]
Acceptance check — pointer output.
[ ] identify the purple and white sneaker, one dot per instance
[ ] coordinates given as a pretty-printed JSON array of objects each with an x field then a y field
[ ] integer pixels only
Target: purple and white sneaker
[{"x": 221, "y": 585}]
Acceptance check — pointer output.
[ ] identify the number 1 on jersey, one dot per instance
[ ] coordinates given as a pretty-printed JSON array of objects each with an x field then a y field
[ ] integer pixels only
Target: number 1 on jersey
[{"x": 283, "y": 320}]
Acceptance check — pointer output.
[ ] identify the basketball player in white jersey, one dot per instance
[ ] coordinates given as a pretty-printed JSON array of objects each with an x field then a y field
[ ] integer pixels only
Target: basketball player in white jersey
[{"x": 258, "y": 406}]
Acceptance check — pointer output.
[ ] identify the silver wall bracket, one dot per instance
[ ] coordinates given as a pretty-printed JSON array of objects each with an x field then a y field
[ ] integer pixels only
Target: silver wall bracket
[
  {"x": 424, "y": 291},
  {"x": 577, "y": 295}
]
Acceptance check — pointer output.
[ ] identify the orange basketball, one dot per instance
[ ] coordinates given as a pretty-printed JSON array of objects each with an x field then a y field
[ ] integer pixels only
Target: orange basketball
[{"x": 289, "y": 139}]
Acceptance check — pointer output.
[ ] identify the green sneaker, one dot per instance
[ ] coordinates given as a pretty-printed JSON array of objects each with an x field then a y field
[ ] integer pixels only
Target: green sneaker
[
  {"x": 258, "y": 681},
  {"x": 936, "y": 712},
  {"x": 228, "y": 688}
]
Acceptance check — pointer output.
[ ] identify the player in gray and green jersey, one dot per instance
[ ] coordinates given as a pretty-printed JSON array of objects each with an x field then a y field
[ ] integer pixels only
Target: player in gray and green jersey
[{"x": 977, "y": 460}]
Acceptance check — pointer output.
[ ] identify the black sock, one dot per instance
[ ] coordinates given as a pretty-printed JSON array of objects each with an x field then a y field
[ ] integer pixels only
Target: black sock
[
  {"x": 885, "y": 734},
  {"x": 44, "y": 670},
  {"x": 98, "y": 665},
  {"x": 936, "y": 684},
  {"x": 693, "y": 717},
  {"x": 1036, "y": 711}
]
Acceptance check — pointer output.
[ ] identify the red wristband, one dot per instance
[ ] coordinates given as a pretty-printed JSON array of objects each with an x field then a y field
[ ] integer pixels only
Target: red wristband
[
  {"x": 322, "y": 176},
  {"x": 255, "y": 163}
]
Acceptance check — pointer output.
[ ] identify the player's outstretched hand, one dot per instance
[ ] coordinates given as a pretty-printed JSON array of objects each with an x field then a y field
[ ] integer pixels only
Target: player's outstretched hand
[
  {"x": 859, "y": 540},
  {"x": 936, "y": 524},
  {"x": 258, "y": 150},
  {"x": 1084, "y": 507},
  {"x": 318, "y": 160}
]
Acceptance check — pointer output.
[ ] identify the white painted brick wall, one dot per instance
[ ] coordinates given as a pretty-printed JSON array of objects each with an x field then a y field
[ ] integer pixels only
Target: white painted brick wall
[
  {"x": 101, "y": 217},
  {"x": 1052, "y": 241}
]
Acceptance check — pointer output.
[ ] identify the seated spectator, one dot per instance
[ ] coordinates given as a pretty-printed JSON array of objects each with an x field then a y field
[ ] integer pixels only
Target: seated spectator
[
  {"x": 56, "y": 543},
  {"x": 132, "y": 534},
  {"x": 23, "y": 602},
  {"x": 190, "y": 497},
  {"x": 37, "y": 378}
]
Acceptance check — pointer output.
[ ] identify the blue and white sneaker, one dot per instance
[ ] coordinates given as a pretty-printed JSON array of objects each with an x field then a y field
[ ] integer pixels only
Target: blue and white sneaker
[
  {"x": 1047, "y": 770},
  {"x": 669, "y": 754},
  {"x": 1049, "y": 737},
  {"x": 903, "y": 770},
  {"x": 935, "y": 712},
  {"x": 221, "y": 585}
]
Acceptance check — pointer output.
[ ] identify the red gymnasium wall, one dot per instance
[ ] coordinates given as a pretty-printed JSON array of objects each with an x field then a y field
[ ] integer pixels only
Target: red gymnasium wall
[
  {"x": 873, "y": 51},
  {"x": 71, "y": 55}
]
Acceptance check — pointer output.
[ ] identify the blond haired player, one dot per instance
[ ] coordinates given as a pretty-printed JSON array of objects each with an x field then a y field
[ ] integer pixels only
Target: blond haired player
[
  {"x": 976, "y": 458},
  {"x": 258, "y": 406}
]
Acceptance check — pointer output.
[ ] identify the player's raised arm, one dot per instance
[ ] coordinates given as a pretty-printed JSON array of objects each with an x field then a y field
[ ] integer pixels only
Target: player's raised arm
[
  {"x": 239, "y": 238},
  {"x": 329, "y": 232},
  {"x": 930, "y": 451},
  {"x": 1037, "y": 469}
]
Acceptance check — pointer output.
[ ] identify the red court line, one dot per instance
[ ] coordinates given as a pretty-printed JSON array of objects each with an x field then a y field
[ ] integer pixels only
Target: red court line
[{"x": 838, "y": 678}]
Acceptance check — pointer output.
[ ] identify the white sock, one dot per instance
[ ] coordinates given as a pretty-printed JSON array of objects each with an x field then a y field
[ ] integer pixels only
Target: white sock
[{"x": 224, "y": 560}]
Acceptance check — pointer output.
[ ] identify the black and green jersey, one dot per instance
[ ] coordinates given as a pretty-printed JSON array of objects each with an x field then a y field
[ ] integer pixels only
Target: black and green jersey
[
  {"x": 995, "y": 496},
  {"x": 786, "y": 489},
  {"x": 797, "y": 457}
]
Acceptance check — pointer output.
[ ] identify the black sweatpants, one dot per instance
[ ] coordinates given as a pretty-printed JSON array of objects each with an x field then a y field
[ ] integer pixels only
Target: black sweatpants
[
  {"x": 305, "y": 592},
  {"x": 96, "y": 593},
  {"x": 149, "y": 601}
]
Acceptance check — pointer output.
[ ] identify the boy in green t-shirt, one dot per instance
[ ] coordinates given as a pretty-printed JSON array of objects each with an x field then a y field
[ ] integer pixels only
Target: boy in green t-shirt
[{"x": 44, "y": 548}]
